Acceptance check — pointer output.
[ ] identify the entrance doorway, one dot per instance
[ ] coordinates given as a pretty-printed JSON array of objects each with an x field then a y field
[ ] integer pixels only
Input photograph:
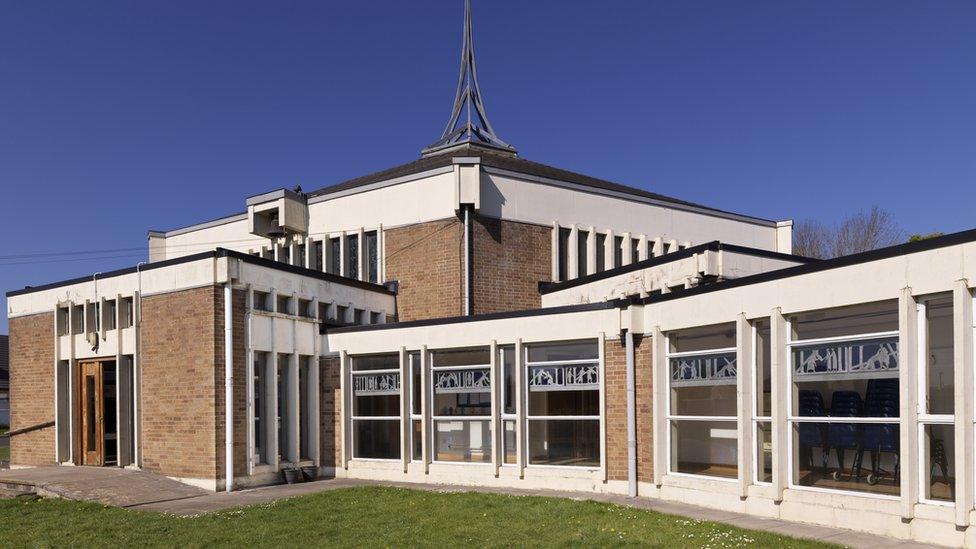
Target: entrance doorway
[{"x": 98, "y": 433}]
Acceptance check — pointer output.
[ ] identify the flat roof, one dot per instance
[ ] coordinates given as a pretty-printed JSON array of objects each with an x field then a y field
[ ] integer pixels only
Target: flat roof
[
  {"x": 216, "y": 253},
  {"x": 813, "y": 266}
]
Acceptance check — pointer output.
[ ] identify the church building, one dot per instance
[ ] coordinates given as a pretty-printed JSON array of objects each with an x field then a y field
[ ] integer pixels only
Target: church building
[{"x": 477, "y": 318}]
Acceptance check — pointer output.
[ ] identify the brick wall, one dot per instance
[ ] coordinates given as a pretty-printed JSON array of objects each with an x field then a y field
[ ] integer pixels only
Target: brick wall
[
  {"x": 330, "y": 404},
  {"x": 510, "y": 259},
  {"x": 427, "y": 261},
  {"x": 181, "y": 348},
  {"x": 32, "y": 388},
  {"x": 616, "y": 398}
]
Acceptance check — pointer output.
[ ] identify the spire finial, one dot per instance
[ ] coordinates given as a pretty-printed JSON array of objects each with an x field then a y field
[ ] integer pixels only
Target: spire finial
[{"x": 468, "y": 98}]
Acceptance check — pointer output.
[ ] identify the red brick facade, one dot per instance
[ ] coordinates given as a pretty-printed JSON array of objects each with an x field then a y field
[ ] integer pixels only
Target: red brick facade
[
  {"x": 32, "y": 388},
  {"x": 509, "y": 259},
  {"x": 616, "y": 399},
  {"x": 182, "y": 344}
]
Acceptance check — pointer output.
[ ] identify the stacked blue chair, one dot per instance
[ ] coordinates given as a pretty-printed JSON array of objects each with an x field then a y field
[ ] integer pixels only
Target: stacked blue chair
[
  {"x": 881, "y": 401},
  {"x": 844, "y": 436},
  {"x": 812, "y": 435}
]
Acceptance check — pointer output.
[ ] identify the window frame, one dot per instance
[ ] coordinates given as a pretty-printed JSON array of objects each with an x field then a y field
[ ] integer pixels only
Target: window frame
[
  {"x": 757, "y": 393},
  {"x": 923, "y": 417},
  {"x": 792, "y": 421},
  {"x": 529, "y": 418},
  {"x": 397, "y": 419},
  {"x": 434, "y": 419},
  {"x": 671, "y": 418},
  {"x": 504, "y": 417}
]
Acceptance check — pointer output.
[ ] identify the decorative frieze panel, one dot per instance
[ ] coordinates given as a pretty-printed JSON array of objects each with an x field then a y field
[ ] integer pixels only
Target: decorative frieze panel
[
  {"x": 864, "y": 358},
  {"x": 571, "y": 377},
  {"x": 703, "y": 370},
  {"x": 376, "y": 384},
  {"x": 462, "y": 381}
]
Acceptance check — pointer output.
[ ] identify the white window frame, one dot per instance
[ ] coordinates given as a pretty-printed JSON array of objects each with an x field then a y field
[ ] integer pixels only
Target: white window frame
[
  {"x": 414, "y": 416},
  {"x": 792, "y": 420},
  {"x": 925, "y": 418},
  {"x": 504, "y": 417},
  {"x": 529, "y": 418},
  {"x": 435, "y": 419},
  {"x": 352, "y": 412},
  {"x": 671, "y": 417},
  {"x": 757, "y": 393}
]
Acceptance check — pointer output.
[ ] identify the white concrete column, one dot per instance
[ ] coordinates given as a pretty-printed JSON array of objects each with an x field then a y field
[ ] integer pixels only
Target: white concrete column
[
  {"x": 609, "y": 257},
  {"x": 602, "y": 342},
  {"x": 672, "y": 246},
  {"x": 908, "y": 366},
  {"x": 343, "y": 254},
  {"x": 554, "y": 242},
  {"x": 658, "y": 247},
  {"x": 659, "y": 371},
  {"x": 380, "y": 255},
  {"x": 745, "y": 364},
  {"x": 521, "y": 389},
  {"x": 315, "y": 411},
  {"x": 295, "y": 409},
  {"x": 642, "y": 248},
  {"x": 962, "y": 311},
  {"x": 572, "y": 250},
  {"x": 496, "y": 381},
  {"x": 628, "y": 257},
  {"x": 345, "y": 426},
  {"x": 405, "y": 391},
  {"x": 591, "y": 252},
  {"x": 780, "y": 390},
  {"x": 425, "y": 402},
  {"x": 361, "y": 255}
]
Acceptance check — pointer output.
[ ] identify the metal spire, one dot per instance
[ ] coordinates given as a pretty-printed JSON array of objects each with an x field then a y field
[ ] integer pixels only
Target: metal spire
[{"x": 468, "y": 98}]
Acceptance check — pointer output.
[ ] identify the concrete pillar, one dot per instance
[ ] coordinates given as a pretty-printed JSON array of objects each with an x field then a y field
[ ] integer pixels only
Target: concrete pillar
[
  {"x": 610, "y": 256},
  {"x": 521, "y": 385},
  {"x": 405, "y": 391},
  {"x": 745, "y": 366},
  {"x": 496, "y": 382},
  {"x": 625, "y": 252},
  {"x": 572, "y": 268},
  {"x": 780, "y": 390},
  {"x": 658, "y": 250},
  {"x": 962, "y": 310},
  {"x": 590, "y": 252},
  {"x": 554, "y": 242},
  {"x": 908, "y": 357},
  {"x": 659, "y": 384},
  {"x": 642, "y": 248}
]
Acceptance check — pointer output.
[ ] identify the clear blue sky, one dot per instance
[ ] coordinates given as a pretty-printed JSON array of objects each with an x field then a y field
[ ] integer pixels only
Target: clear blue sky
[{"x": 117, "y": 117}]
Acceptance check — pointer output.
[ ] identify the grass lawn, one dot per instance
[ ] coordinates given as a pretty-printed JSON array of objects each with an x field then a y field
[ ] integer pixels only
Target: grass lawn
[{"x": 373, "y": 516}]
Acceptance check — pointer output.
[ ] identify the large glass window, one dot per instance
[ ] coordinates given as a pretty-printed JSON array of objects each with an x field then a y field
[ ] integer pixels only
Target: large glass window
[
  {"x": 563, "y": 404},
  {"x": 262, "y": 408},
  {"x": 376, "y": 406},
  {"x": 335, "y": 256},
  {"x": 352, "y": 256},
  {"x": 582, "y": 242},
  {"x": 702, "y": 401},
  {"x": 461, "y": 389},
  {"x": 844, "y": 404},
  {"x": 563, "y": 263},
  {"x": 762, "y": 401},
  {"x": 936, "y": 399},
  {"x": 508, "y": 408},
  {"x": 372, "y": 256},
  {"x": 601, "y": 252},
  {"x": 416, "y": 413}
]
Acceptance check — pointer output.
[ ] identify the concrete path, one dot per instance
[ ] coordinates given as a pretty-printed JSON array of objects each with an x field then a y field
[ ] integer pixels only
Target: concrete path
[
  {"x": 105, "y": 485},
  {"x": 143, "y": 491}
]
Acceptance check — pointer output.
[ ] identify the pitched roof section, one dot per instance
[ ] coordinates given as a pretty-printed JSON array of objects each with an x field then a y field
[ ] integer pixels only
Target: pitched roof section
[{"x": 503, "y": 161}]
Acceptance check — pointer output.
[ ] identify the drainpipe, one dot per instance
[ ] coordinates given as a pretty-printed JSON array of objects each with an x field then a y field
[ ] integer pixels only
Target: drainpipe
[
  {"x": 631, "y": 418},
  {"x": 467, "y": 259},
  {"x": 228, "y": 388},
  {"x": 136, "y": 368}
]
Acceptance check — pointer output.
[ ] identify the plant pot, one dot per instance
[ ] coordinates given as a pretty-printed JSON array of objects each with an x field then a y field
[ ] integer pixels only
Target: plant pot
[
  {"x": 310, "y": 473},
  {"x": 292, "y": 475}
]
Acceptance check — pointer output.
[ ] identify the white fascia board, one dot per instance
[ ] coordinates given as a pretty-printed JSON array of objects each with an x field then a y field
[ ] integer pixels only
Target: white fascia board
[{"x": 381, "y": 184}]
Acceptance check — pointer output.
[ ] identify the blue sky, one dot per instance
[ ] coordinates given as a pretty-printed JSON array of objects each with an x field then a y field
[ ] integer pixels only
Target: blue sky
[{"x": 117, "y": 117}]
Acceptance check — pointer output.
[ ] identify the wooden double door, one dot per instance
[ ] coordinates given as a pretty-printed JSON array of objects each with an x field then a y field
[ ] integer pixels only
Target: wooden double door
[{"x": 96, "y": 394}]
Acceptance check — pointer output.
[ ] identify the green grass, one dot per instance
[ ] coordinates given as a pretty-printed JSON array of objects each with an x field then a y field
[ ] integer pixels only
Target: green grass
[{"x": 376, "y": 517}]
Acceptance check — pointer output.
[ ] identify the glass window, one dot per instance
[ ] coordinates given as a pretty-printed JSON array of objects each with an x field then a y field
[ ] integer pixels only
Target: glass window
[
  {"x": 563, "y": 412},
  {"x": 509, "y": 442},
  {"x": 299, "y": 258},
  {"x": 762, "y": 411},
  {"x": 372, "y": 257},
  {"x": 284, "y": 410},
  {"x": 601, "y": 252},
  {"x": 461, "y": 389},
  {"x": 261, "y": 408},
  {"x": 581, "y": 244},
  {"x": 937, "y": 398},
  {"x": 376, "y": 406},
  {"x": 352, "y": 256},
  {"x": 318, "y": 253},
  {"x": 634, "y": 250},
  {"x": 703, "y": 403},
  {"x": 564, "y": 253},
  {"x": 844, "y": 364},
  {"x": 335, "y": 256},
  {"x": 416, "y": 403},
  {"x": 618, "y": 251}
]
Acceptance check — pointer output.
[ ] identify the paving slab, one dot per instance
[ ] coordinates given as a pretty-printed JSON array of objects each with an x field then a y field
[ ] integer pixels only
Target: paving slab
[{"x": 105, "y": 485}]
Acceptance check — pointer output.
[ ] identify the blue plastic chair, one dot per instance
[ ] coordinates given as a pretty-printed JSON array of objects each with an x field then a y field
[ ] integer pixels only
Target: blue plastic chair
[
  {"x": 881, "y": 401},
  {"x": 811, "y": 404},
  {"x": 844, "y": 436}
]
